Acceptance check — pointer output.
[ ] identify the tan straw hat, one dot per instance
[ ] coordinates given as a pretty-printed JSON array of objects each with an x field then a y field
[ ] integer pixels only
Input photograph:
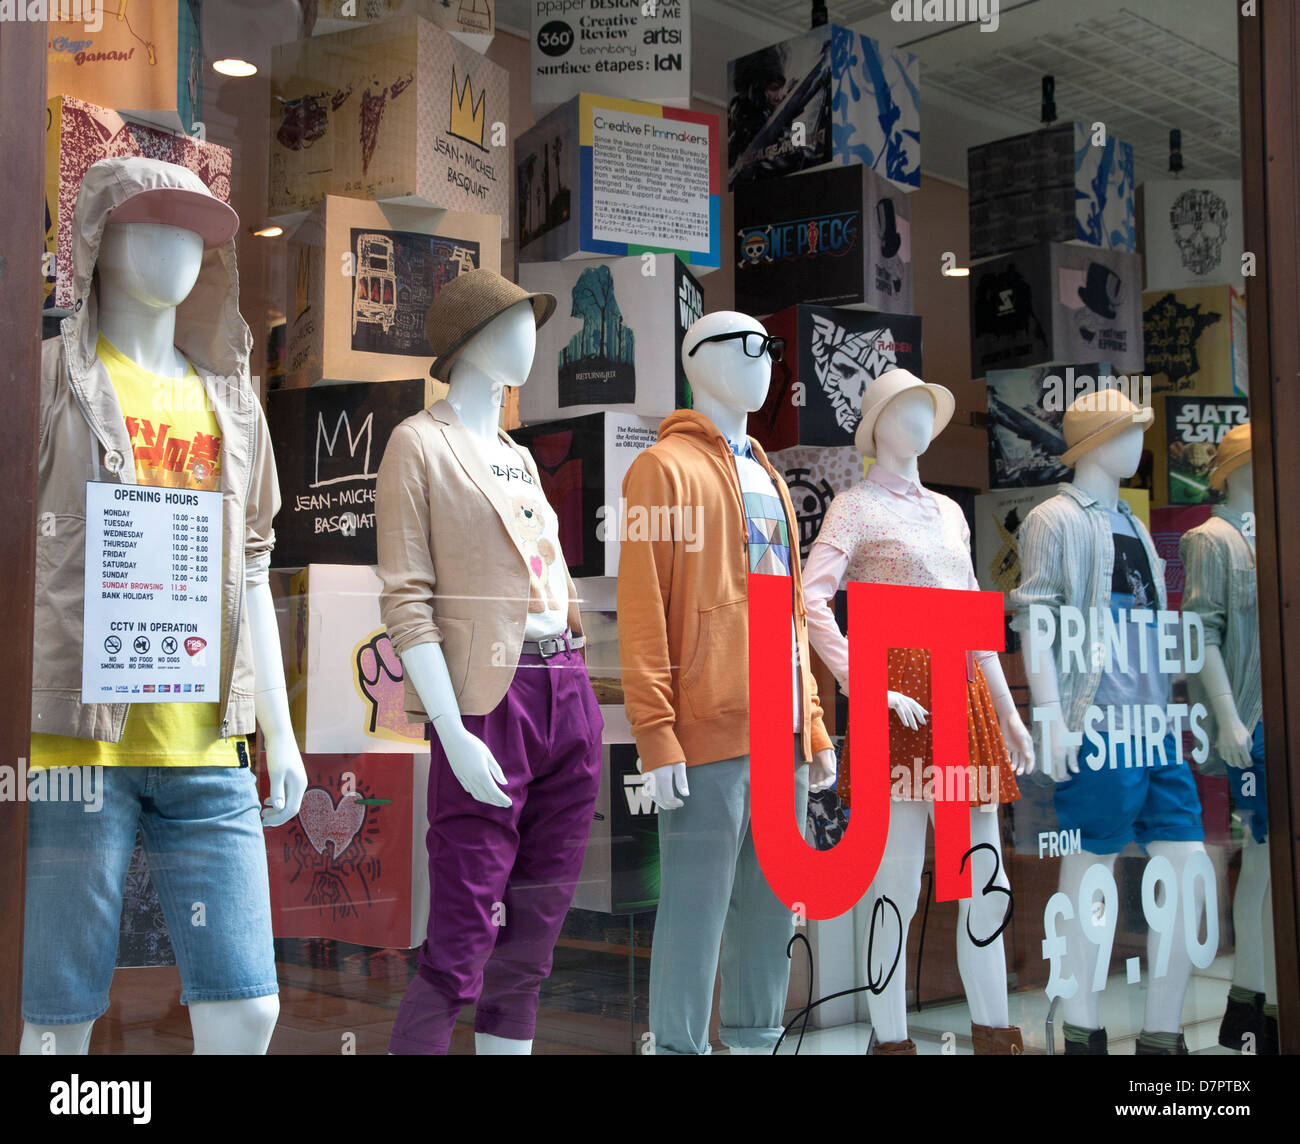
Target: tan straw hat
[
  {"x": 468, "y": 303},
  {"x": 883, "y": 390},
  {"x": 1233, "y": 452},
  {"x": 1096, "y": 417}
]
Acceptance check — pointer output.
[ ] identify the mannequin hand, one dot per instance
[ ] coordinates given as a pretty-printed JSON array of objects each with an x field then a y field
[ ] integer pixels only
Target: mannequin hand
[
  {"x": 821, "y": 771},
  {"x": 659, "y": 784},
  {"x": 910, "y": 713},
  {"x": 288, "y": 780},
  {"x": 472, "y": 763},
  {"x": 1234, "y": 742},
  {"x": 1062, "y": 759},
  {"x": 1020, "y": 743}
]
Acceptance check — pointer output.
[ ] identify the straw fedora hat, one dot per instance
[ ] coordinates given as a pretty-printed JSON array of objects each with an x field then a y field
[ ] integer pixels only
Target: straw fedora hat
[
  {"x": 468, "y": 303},
  {"x": 883, "y": 390},
  {"x": 1096, "y": 417},
  {"x": 1233, "y": 452}
]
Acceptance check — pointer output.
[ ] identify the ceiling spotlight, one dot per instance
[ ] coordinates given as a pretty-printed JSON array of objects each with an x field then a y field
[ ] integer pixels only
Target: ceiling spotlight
[
  {"x": 957, "y": 272},
  {"x": 240, "y": 69},
  {"x": 269, "y": 231}
]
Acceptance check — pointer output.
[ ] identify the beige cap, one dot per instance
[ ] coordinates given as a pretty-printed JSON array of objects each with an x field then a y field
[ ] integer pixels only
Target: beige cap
[
  {"x": 1096, "y": 417},
  {"x": 883, "y": 390},
  {"x": 468, "y": 303},
  {"x": 1232, "y": 453}
]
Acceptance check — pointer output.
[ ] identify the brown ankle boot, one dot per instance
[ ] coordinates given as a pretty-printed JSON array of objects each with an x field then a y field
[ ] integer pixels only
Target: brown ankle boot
[
  {"x": 991, "y": 1042},
  {"x": 894, "y": 1048}
]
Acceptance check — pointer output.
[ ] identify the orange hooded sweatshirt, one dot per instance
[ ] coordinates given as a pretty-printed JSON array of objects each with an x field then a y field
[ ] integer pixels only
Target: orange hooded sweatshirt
[{"x": 683, "y": 628}]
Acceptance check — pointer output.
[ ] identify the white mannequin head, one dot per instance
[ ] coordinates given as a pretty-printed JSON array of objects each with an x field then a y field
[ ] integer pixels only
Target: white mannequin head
[
  {"x": 1116, "y": 458},
  {"x": 152, "y": 264},
  {"x": 721, "y": 373},
  {"x": 501, "y": 352},
  {"x": 905, "y": 426}
]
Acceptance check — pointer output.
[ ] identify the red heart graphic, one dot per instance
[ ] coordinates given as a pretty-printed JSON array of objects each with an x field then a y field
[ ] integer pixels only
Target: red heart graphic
[
  {"x": 324, "y": 822},
  {"x": 195, "y": 644}
]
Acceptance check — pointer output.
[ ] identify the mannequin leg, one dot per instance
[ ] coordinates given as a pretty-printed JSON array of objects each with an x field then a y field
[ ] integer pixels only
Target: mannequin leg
[
  {"x": 699, "y": 843},
  {"x": 758, "y": 928},
  {"x": 1248, "y": 909},
  {"x": 490, "y": 1045},
  {"x": 1165, "y": 994},
  {"x": 1266, "y": 938},
  {"x": 55, "y": 1040},
  {"x": 230, "y": 1028},
  {"x": 899, "y": 880},
  {"x": 1080, "y": 958},
  {"x": 983, "y": 969}
]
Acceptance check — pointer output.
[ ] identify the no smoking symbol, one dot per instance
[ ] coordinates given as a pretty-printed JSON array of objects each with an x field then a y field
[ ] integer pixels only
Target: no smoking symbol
[
  {"x": 169, "y": 645},
  {"x": 112, "y": 645}
]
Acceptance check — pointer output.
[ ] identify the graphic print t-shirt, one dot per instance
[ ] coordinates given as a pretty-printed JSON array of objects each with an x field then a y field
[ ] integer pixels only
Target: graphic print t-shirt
[
  {"x": 1132, "y": 587},
  {"x": 176, "y": 443},
  {"x": 537, "y": 531},
  {"x": 769, "y": 543}
]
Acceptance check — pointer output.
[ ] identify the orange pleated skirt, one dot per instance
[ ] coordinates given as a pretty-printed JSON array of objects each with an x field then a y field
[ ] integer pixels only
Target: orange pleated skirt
[{"x": 989, "y": 778}]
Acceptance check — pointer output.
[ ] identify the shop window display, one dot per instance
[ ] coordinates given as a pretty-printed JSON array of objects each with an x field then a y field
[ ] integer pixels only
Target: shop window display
[{"x": 486, "y": 745}]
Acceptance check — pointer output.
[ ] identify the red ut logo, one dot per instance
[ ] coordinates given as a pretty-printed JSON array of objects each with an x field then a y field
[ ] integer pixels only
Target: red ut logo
[{"x": 881, "y": 616}]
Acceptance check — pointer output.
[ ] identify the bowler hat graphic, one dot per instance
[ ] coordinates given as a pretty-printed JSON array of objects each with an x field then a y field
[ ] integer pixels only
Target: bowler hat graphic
[
  {"x": 1102, "y": 291},
  {"x": 890, "y": 239}
]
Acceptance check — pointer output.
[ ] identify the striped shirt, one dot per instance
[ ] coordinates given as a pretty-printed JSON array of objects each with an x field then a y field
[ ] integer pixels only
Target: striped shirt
[
  {"x": 1220, "y": 569},
  {"x": 1067, "y": 558}
]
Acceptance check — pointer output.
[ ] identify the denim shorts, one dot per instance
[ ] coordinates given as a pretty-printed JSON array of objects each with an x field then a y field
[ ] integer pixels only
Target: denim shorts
[
  {"x": 1112, "y": 807},
  {"x": 1253, "y": 808},
  {"x": 203, "y": 840}
]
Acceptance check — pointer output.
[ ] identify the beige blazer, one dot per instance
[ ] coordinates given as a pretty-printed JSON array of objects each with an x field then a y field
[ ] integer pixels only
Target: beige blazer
[{"x": 452, "y": 568}]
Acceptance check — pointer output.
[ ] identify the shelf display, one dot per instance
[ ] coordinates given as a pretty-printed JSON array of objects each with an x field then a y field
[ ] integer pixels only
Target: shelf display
[
  {"x": 473, "y": 22},
  {"x": 1193, "y": 233},
  {"x": 396, "y": 111}
]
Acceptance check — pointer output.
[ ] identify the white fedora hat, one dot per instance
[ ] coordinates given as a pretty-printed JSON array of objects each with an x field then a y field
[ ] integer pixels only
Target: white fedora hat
[{"x": 883, "y": 390}]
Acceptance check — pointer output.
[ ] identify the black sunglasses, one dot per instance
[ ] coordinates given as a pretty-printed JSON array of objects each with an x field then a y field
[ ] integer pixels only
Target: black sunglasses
[{"x": 754, "y": 344}]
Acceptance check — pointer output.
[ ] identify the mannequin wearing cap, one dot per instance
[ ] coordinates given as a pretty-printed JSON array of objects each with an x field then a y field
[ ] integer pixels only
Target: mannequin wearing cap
[
  {"x": 889, "y": 529},
  {"x": 684, "y": 640},
  {"x": 151, "y": 258},
  {"x": 1112, "y": 566},
  {"x": 1219, "y": 559},
  {"x": 481, "y": 610}
]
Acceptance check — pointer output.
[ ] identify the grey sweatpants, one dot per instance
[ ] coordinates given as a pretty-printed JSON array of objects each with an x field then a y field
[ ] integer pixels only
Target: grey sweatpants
[{"x": 711, "y": 891}]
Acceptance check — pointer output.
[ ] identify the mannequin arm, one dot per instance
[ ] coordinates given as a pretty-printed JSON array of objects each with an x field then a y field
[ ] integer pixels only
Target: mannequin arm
[
  {"x": 1020, "y": 744},
  {"x": 288, "y": 778},
  {"x": 470, "y": 759},
  {"x": 1233, "y": 738}
]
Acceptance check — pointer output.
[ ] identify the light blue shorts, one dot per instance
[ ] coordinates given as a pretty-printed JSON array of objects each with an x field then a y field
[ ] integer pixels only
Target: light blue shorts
[{"x": 203, "y": 839}]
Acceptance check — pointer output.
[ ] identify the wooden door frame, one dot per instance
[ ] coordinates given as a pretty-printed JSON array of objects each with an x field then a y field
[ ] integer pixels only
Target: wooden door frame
[
  {"x": 22, "y": 242},
  {"x": 1269, "y": 85}
]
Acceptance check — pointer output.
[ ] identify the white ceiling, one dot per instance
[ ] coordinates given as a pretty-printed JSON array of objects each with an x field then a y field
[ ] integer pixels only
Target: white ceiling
[{"x": 1139, "y": 66}]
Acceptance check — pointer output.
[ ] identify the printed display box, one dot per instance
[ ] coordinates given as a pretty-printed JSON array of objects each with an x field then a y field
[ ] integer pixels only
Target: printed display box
[
  {"x": 1026, "y": 410},
  {"x": 620, "y": 873},
  {"x": 329, "y": 441},
  {"x": 1195, "y": 347},
  {"x": 1053, "y": 185},
  {"x": 1056, "y": 303},
  {"x": 815, "y": 475},
  {"x": 79, "y": 134},
  {"x": 582, "y": 462},
  {"x": 614, "y": 342},
  {"x": 363, "y": 276},
  {"x": 836, "y": 237},
  {"x": 344, "y": 679},
  {"x": 145, "y": 61},
  {"x": 397, "y": 111},
  {"x": 1193, "y": 233},
  {"x": 1194, "y": 426},
  {"x": 832, "y": 355},
  {"x": 828, "y": 96},
  {"x": 352, "y": 864},
  {"x": 605, "y": 176},
  {"x": 470, "y": 21}
]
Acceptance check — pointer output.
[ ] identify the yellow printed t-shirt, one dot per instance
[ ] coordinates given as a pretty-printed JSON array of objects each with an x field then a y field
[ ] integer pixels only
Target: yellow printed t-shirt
[{"x": 177, "y": 443}]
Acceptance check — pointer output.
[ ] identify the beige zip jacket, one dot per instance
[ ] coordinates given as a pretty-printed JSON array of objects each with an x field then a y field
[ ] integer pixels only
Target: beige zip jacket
[
  {"x": 453, "y": 572},
  {"x": 83, "y": 437}
]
